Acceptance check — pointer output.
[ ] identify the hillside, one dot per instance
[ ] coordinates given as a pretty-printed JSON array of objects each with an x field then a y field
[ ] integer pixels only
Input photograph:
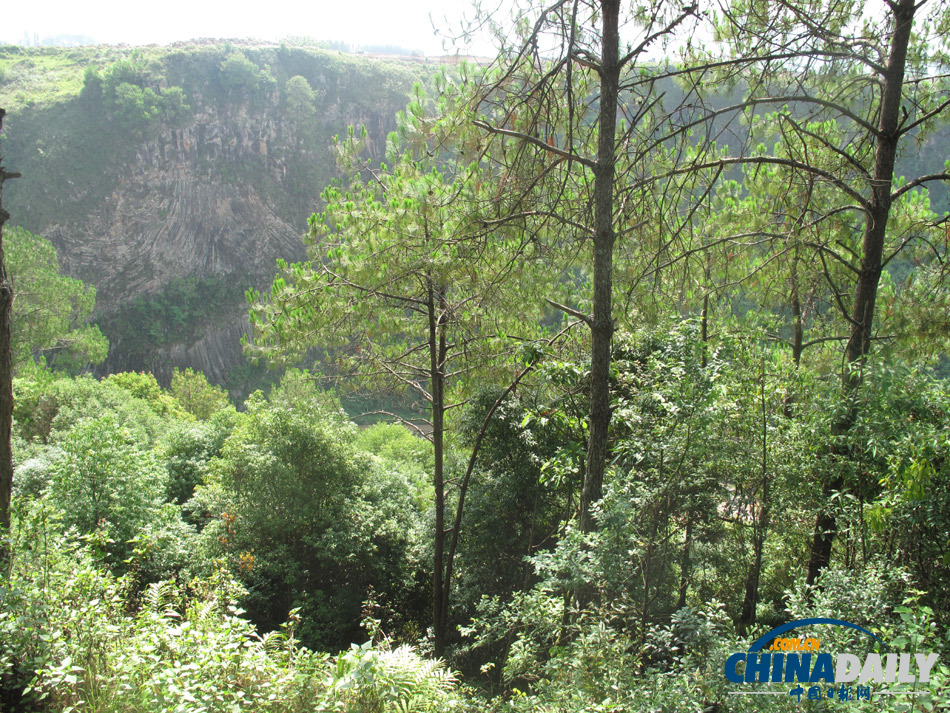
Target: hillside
[{"x": 171, "y": 178}]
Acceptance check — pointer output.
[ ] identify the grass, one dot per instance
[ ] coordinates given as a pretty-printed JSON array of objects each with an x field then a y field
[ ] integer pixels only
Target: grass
[
  {"x": 31, "y": 76},
  {"x": 39, "y": 75}
]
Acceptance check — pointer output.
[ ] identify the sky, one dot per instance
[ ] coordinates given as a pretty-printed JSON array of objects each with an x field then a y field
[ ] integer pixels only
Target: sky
[{"x": 405, "y": 23}]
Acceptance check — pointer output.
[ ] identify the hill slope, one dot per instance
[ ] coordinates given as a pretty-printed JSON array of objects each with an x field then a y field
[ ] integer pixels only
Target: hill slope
[{"x": 171, "y": 178}]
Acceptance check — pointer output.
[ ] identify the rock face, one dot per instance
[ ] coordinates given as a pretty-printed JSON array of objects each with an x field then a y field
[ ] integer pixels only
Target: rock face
[
  {"x": 167, "y": 222},
  {"x": 219, "y": 195}
]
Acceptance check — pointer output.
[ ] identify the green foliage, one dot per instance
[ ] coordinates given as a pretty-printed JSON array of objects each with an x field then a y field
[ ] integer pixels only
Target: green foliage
[
  {"x": 239, "y": 75},
  {"x": 373, "y": 679},
  {"x": 308, "y": 522},
  {"x": 135, "y": 108},
  {"x": 299, "y": 98},
  {"x": 401, "y": 450},
  {"x": 38, "y": 75},
  {"x": 904, "y": 474},
  {"x": 583, "y": 663},
  {"x": 91, "y": 85},
  {"x": 125, "y": 71},
  {"x": 299, "y": 390},
  {"x": 192, "y": 390},
  {"x": 139, "y": 109},
  {"x": 296, "y": 489},
  {"x": 145, "y": 386},
  {"x": 133, "y": 98},
  {"x": 514, "y": 508},
  {"x": 718, "y": 444},
  {"x": 51, "y": 311},
  {"x": 105, "y": 484},
  {"x": 175, "y": 110},
  {"x": 188, "y": 450},
  {"x": 67, "y": 639},
  {"x": 182, "y": 311},
  {"x": 380, "y": 247},
  {"x": 48, "y": 406}
]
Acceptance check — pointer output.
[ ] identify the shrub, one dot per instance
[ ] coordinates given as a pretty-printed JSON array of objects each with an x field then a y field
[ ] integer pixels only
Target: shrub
[
  {"x": 307, "y": 521},
  {"x": 104, "y": 483}
]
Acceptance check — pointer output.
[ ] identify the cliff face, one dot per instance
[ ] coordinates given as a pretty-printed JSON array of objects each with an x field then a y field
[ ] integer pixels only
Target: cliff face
[
  {"x": 215, "y": 195},
  {"x": 174, "y": 211}
]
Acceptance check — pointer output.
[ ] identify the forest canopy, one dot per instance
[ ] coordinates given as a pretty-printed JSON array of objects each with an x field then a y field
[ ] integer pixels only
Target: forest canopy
[{"x": 641, "y": 334}]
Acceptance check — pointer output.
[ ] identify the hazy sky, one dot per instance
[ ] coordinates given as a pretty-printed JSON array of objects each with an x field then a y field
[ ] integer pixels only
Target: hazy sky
[{"x": 396, "y": 22}]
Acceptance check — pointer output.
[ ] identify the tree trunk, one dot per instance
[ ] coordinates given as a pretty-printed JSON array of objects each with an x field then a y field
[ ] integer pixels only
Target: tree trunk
[
  {"x": 602, "y": 326},
  {"x": 869, "y": 275},
  {"x": 760, "y": 529},
  {"x": 437, "y": 347},
  {"x": 685, "y": 562},
  {"x": 798, "y": 324},
  {"x": 6, "y": 381}
]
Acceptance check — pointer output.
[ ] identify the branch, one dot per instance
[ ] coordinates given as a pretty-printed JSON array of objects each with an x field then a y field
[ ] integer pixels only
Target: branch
[
  {"x": 824, "y": 248},
  {"x": 584, "y": 61},
  {"x": 928, "y": 115},
  {"x": 777, "y": 56},
  {"x": 527, "y": 44},
  {"x": 844, "y": 154},
  {"x": 404, "y": 421},
  {"x": 457, "y": 404},
  {"x": 820, "y": 340},
  {"x": 536, "y": 142},
  {"x": 835, "y": 291},
  {"x": 827, "y": 175},
  {"x": 687, "y": 11},
  {"x": 408, "y": 382},
  {"x": 372, "y": 290},
  {"x": 463, "y": 488},
  {"x": 919, "y": 182},
  {"x": 585, "y": 318}
]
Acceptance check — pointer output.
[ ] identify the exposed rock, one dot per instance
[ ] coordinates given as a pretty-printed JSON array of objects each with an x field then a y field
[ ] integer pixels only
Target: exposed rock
[{"x": 223, "y": 195}]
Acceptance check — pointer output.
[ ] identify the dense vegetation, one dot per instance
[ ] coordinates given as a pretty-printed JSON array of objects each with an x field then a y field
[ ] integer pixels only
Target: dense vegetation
[
  {"x": 51, "y": 311},
  {"x": 668, "y": 371}
]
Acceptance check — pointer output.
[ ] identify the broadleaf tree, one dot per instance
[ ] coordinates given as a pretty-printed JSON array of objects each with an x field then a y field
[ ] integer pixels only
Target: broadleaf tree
[{"x": 51, "y": 311}]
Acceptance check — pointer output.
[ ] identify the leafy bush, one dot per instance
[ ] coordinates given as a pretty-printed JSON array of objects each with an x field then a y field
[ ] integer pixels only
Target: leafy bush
[
  {"x": 143, "y": 385},
  {"x": 374, "y": 679},
  {"x": 47, "y": 406},
  {"x": 192, "y": 390},
  {"x": 175, "y": 110},
  {"x": 188, "y": 451},
  {"x": 124, "y": 71},
  {"x": 307, "y": 521},
  {"x": 91, "y": 84},
  {"x": 69, "y": 639},
  {"x": 299, "y": 98},
  {"x": 104, "y": 483},
  {"x": 239, "y": 74},
  {"x": 136, "y": 108}
]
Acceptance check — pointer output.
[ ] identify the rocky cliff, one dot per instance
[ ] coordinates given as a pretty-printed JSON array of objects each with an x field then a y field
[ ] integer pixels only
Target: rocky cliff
[{"x": 140, "y": 195}]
